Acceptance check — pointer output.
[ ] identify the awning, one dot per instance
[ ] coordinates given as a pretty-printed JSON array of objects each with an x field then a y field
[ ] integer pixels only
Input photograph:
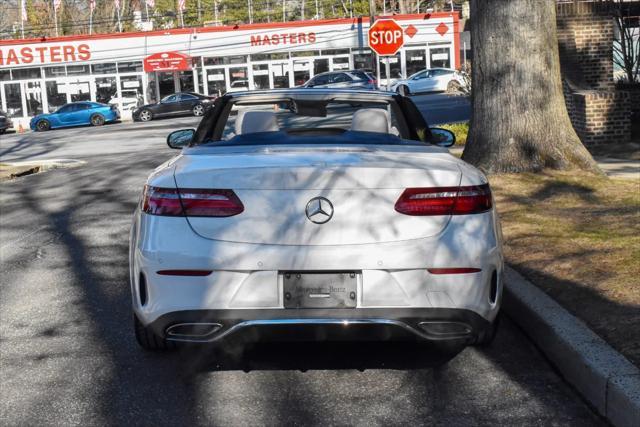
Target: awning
[{"x": 167, "y": 61}]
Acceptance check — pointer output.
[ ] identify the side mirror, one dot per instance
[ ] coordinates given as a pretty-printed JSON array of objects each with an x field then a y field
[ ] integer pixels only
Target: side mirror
[
  {"x": 180, "y": 138},
  {"x": 442, "y": 137}
]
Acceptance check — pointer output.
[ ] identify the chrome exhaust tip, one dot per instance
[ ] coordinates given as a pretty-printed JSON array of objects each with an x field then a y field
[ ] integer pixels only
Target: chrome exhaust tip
[{"x": 192, "y": 331}]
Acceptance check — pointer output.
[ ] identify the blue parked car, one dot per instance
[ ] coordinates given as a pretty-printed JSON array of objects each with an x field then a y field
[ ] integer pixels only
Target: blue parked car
[{"x": 74, "y": 114}]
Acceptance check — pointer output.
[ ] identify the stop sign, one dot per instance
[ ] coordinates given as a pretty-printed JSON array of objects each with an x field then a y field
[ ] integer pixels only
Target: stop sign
[{"x": 386, "y": 37}]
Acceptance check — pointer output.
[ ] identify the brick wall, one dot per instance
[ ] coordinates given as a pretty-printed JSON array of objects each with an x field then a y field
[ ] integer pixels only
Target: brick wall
[
  {"x": 599, "y": 113},
  {"x": 601, "y": 117}
]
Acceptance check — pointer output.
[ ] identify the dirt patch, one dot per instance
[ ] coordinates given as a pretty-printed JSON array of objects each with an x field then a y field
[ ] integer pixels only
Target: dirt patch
[
  {"x": 8, "y": 172},
  {"x": 577, "y": 237},
  {"x": 12, "y": 170}
]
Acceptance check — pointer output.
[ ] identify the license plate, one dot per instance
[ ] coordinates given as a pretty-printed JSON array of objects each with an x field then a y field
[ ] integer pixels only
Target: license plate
[{"x": 320, "y": 290}]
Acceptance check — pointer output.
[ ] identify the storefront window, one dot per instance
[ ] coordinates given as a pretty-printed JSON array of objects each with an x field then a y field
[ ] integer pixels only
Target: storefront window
[
  {"x": 415, "y": 60},
  {"x": 130, "y": 67},
  {"x": 13, "y": 93},
  {"x": 261, "y": 76},
  {"x": 305, "y": 53},
  {"x": 280, "y": 73},
  {"x": 364, "y": 61},
  {"x": 79, "y": 91},
  {"x": 5, "y": 75},
  {"x": 225, "y": 60},
  {"x": 269, "y": 56},
  {"x": 106, "y": 68},
  {"x": 55, "y": 71},
  {"x": 34, "y": 98},
  {"x": 335, "y": 52},
  {"x": 340, "y": 63},
  {"x": 106, "y": 89},
  {"x": 394, "y": 65},
  {"x": 320, "y": 66},
  {"x": 238, "y": 78},
  {"x": 216, "y": 81},
  {"x": 77, "y": 70},
  {"x": 26, "y": 73},
  {"x": 56, "y": 95},
  {"x": 439, "y": 57}
]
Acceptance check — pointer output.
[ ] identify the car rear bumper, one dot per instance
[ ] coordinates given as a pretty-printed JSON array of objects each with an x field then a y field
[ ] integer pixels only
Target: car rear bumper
[{"x": 358, "y": 324}]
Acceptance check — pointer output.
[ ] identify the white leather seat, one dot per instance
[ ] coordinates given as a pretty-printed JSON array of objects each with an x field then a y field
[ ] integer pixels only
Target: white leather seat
[
  {"x": 370, "y": 120},
  {"x": 249, "y": 121}
]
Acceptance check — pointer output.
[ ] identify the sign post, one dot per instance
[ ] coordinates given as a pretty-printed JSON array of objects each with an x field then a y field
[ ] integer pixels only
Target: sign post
[{"x": 386, "y": 37}]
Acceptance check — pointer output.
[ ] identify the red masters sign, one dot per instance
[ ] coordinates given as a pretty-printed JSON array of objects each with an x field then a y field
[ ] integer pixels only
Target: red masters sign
[
  {"x": 386, "y": 37},
  {"x": 167, "y": 61}
]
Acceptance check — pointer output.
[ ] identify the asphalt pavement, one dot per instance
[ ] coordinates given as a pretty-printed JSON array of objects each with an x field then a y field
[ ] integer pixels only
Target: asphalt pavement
[{"x": 68, "y": 355}]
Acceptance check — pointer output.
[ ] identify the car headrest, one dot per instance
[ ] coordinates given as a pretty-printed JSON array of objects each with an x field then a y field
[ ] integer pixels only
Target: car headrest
[
  {"x": 370, "y": 120},
  {"x": 256, "y": 121}
]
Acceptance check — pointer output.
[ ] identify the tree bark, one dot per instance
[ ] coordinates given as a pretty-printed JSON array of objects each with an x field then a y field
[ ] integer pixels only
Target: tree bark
[{"x": 519, "y": 122}]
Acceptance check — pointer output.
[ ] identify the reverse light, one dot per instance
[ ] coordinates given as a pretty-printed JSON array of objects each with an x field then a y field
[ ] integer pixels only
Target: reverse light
[
  {"x": 190, "y": 202},
  {"x": 467, "y": 200}
]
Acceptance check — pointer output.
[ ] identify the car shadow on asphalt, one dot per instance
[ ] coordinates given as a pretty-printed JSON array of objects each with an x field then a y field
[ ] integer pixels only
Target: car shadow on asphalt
[{"x": 304, "y": 356}]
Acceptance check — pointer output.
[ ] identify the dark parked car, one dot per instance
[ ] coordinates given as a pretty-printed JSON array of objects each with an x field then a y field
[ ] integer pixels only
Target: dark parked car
[
  {"x": 75, "y": 114},
  {"x": 354, "y": 79},
  {"x": 178, "y": 104},
  {"x": 5, "y": 122}
]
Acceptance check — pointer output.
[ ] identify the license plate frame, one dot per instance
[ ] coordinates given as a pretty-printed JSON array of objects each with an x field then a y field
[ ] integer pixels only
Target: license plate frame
[{"x": 320, "y": 290}]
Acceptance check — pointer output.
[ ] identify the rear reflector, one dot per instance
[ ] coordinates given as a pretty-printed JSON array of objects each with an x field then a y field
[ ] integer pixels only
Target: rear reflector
[
  {"x": 184, "y": 272},
  {"x": 190, "y": 202},
  {"x": 454, "y": 270},
  {"x": 445, "y": 200}
]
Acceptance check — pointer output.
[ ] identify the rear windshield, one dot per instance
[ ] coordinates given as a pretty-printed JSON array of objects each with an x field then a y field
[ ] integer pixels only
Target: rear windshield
[{"x": 300, "y": 121}]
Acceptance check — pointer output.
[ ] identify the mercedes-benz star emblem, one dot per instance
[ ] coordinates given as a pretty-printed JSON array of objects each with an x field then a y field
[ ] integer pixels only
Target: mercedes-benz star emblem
[{"x": 319, "y": 210}]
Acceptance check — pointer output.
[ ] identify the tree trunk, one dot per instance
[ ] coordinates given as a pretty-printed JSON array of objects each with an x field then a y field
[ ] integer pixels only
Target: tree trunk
[{"x": 520, "y": 121}]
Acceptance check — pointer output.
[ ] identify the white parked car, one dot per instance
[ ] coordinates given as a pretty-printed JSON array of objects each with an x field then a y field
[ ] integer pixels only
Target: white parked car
[
  {"x": 129, "y": 100},
  {"x": 323, "y": 214},
  {"x": 430, "y": 80}
]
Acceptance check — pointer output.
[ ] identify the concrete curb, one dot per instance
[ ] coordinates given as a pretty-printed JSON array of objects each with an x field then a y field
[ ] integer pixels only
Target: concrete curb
[{"x": 602, "y": 375}]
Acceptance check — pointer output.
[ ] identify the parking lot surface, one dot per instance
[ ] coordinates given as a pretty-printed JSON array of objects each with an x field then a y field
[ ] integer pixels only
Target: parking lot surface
[{"x": 68, "y": 355}]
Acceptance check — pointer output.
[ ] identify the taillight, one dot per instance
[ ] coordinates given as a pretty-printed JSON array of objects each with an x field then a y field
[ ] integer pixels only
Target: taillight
[
  {"x": 445, "y": 200},
  {"x": 190, "y": 202}
]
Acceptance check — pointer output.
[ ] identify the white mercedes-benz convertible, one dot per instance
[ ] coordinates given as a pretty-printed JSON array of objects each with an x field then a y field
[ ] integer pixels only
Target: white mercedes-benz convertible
[{"x": 315, "y": 215}]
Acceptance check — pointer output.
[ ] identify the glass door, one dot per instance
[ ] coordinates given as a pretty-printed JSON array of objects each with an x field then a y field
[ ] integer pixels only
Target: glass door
[
  {"x": 301, "y": 71},
  {"x": 106, "y": 89},
  {"x": 320, "y": 65},
  {"x": 439, "y": 57},
  {"x": 339, "y": 63},
  {"x": 33, "y": 92},
  {"x": 261, "y": 76},
  {"x": 56, "y": 91},
  {"x": 238, "y": 79},
  {"x": 415, "y": 60},
  {"x": 216, "y": 81},
  {"x": 79, "y": 90},
  {"x": 13, "y": 98},
  {"x": 166, "y": 83},
  {"x": 280, "y": 74}
]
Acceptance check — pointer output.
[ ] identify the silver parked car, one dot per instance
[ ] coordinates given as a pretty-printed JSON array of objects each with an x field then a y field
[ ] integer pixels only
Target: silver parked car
[
  {"x": 315, "y": 214},
  {"x": 354, "y": 79}
]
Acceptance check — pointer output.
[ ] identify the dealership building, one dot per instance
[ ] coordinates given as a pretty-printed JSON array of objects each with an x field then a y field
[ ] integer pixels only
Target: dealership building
[{"x": 40, "y": 75}]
